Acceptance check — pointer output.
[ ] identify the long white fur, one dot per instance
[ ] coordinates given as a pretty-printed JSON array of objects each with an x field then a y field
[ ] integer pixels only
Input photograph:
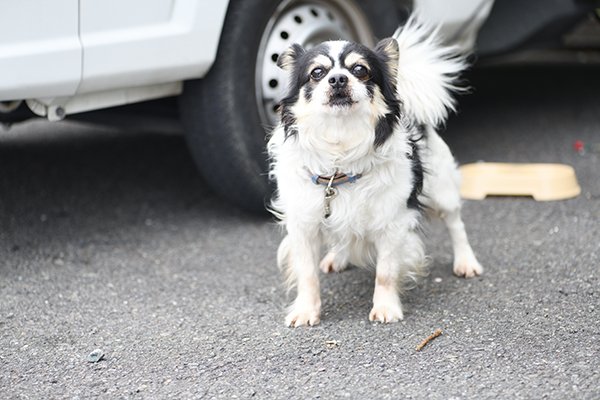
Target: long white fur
[
  {"x": 371, "y": 224},
  {"x": 427, "y": 73}
]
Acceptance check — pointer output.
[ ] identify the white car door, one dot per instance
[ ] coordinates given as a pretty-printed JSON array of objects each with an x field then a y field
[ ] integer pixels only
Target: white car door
[
  {"x": 133, "y": 43},
  {"x": 68, "y": 56},
  {"x": 40, "y": 51}
]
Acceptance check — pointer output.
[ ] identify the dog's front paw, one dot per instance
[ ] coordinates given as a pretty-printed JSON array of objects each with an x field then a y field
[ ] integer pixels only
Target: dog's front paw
[
  {"x": 386, "y": 313},
  {"x": 467, "y": 267},
  {"x": 304, "y": 311},
  {"x": 329, "y": 264},
  {"x": 301, "y": 316}
]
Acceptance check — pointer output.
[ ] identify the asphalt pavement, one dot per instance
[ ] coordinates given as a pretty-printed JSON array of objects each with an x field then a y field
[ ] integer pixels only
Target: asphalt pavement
[{"x": 110, "y": 240}]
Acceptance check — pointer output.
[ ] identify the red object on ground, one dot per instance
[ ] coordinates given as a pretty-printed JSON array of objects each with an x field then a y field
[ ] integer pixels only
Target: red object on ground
[{"x": 579, "y": 146}]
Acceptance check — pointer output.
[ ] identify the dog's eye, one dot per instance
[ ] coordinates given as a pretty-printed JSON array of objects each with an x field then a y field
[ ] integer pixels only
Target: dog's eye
[
  {"x": 360, "y": 71},
  {"x": 317, "y": 73}
]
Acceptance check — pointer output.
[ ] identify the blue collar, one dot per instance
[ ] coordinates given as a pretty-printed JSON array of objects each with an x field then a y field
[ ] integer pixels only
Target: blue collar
[{"x": 334, "y": 180}]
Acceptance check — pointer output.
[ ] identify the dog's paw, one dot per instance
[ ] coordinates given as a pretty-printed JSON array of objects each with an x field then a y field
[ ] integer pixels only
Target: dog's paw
[
  {"x": 467, "y": 267},
  {"x": 386, "y": 313},
  {"x": 328, "y": 264},
  {"x": 300, "y": 316}
]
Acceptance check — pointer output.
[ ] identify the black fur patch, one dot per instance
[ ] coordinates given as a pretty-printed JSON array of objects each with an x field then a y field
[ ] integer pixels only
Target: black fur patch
[
  {"x": 380, "y": 76},
  {"x": 288, "y": 120},
  {"x": 384, "y": 129},
  {"x": 418, "y": 173},
  {"x": 299, "y": 77}
]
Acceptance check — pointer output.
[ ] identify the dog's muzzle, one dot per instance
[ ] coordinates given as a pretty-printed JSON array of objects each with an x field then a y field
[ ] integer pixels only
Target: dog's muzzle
[
  {"x": 339, "y": 93},
  {"x": 340, "y": 98}
]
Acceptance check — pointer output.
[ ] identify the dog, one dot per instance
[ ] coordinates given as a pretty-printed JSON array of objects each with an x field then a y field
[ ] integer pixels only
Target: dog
[{"x": 358, "y": 165}]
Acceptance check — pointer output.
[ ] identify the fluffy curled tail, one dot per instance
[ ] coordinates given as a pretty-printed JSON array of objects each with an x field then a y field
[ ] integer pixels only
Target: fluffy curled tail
[{"x": 427, "y": 73}]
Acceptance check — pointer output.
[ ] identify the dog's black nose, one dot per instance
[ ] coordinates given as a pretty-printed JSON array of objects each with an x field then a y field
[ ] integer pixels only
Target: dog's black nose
[{"x": 338, "y": 81}]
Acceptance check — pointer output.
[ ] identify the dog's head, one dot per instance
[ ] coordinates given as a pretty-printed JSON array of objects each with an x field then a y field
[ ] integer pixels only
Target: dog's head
[{"x": 342, "y": 80}]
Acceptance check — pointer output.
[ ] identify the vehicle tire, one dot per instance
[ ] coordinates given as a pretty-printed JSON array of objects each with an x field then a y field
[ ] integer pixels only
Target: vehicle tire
[{"x": 227, "y": 115}]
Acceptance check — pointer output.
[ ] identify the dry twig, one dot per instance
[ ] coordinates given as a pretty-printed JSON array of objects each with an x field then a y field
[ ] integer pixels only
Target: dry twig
[{"x": 435, "y": 334}]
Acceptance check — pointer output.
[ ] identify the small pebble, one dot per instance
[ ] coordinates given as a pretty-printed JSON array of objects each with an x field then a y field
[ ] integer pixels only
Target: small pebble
[{"x": 95, "y": 356}]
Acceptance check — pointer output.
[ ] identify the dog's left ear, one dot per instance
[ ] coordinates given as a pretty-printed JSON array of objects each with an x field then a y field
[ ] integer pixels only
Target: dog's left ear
[
  {"x": 287, "y": 60},
  {"x": 390, "y": 53}
]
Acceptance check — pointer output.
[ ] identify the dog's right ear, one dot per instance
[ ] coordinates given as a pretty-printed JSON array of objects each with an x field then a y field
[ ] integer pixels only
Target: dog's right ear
[
  {"x": 389, "y": 51},
  {"x": 287, "y": 59}
]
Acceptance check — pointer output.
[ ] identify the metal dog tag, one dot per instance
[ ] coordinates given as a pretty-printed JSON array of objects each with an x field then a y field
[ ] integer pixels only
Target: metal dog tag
[{"x": 330, "y": 193}]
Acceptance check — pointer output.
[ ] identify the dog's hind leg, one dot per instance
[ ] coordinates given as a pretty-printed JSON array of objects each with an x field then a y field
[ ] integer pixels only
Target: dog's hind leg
[
  {"x": 442, "y": 195},
  {"x": 448, "y": 207},
  {"x": 334, "y": 261},
  {"x": 465, "y": 262}
]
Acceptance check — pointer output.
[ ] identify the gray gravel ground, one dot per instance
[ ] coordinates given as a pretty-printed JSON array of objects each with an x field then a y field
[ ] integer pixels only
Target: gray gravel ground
[{"x": 110, "y": 240}]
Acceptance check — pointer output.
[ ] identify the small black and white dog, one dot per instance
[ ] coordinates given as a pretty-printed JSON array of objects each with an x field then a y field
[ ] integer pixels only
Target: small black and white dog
[{"x": 357, "y": 162}]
